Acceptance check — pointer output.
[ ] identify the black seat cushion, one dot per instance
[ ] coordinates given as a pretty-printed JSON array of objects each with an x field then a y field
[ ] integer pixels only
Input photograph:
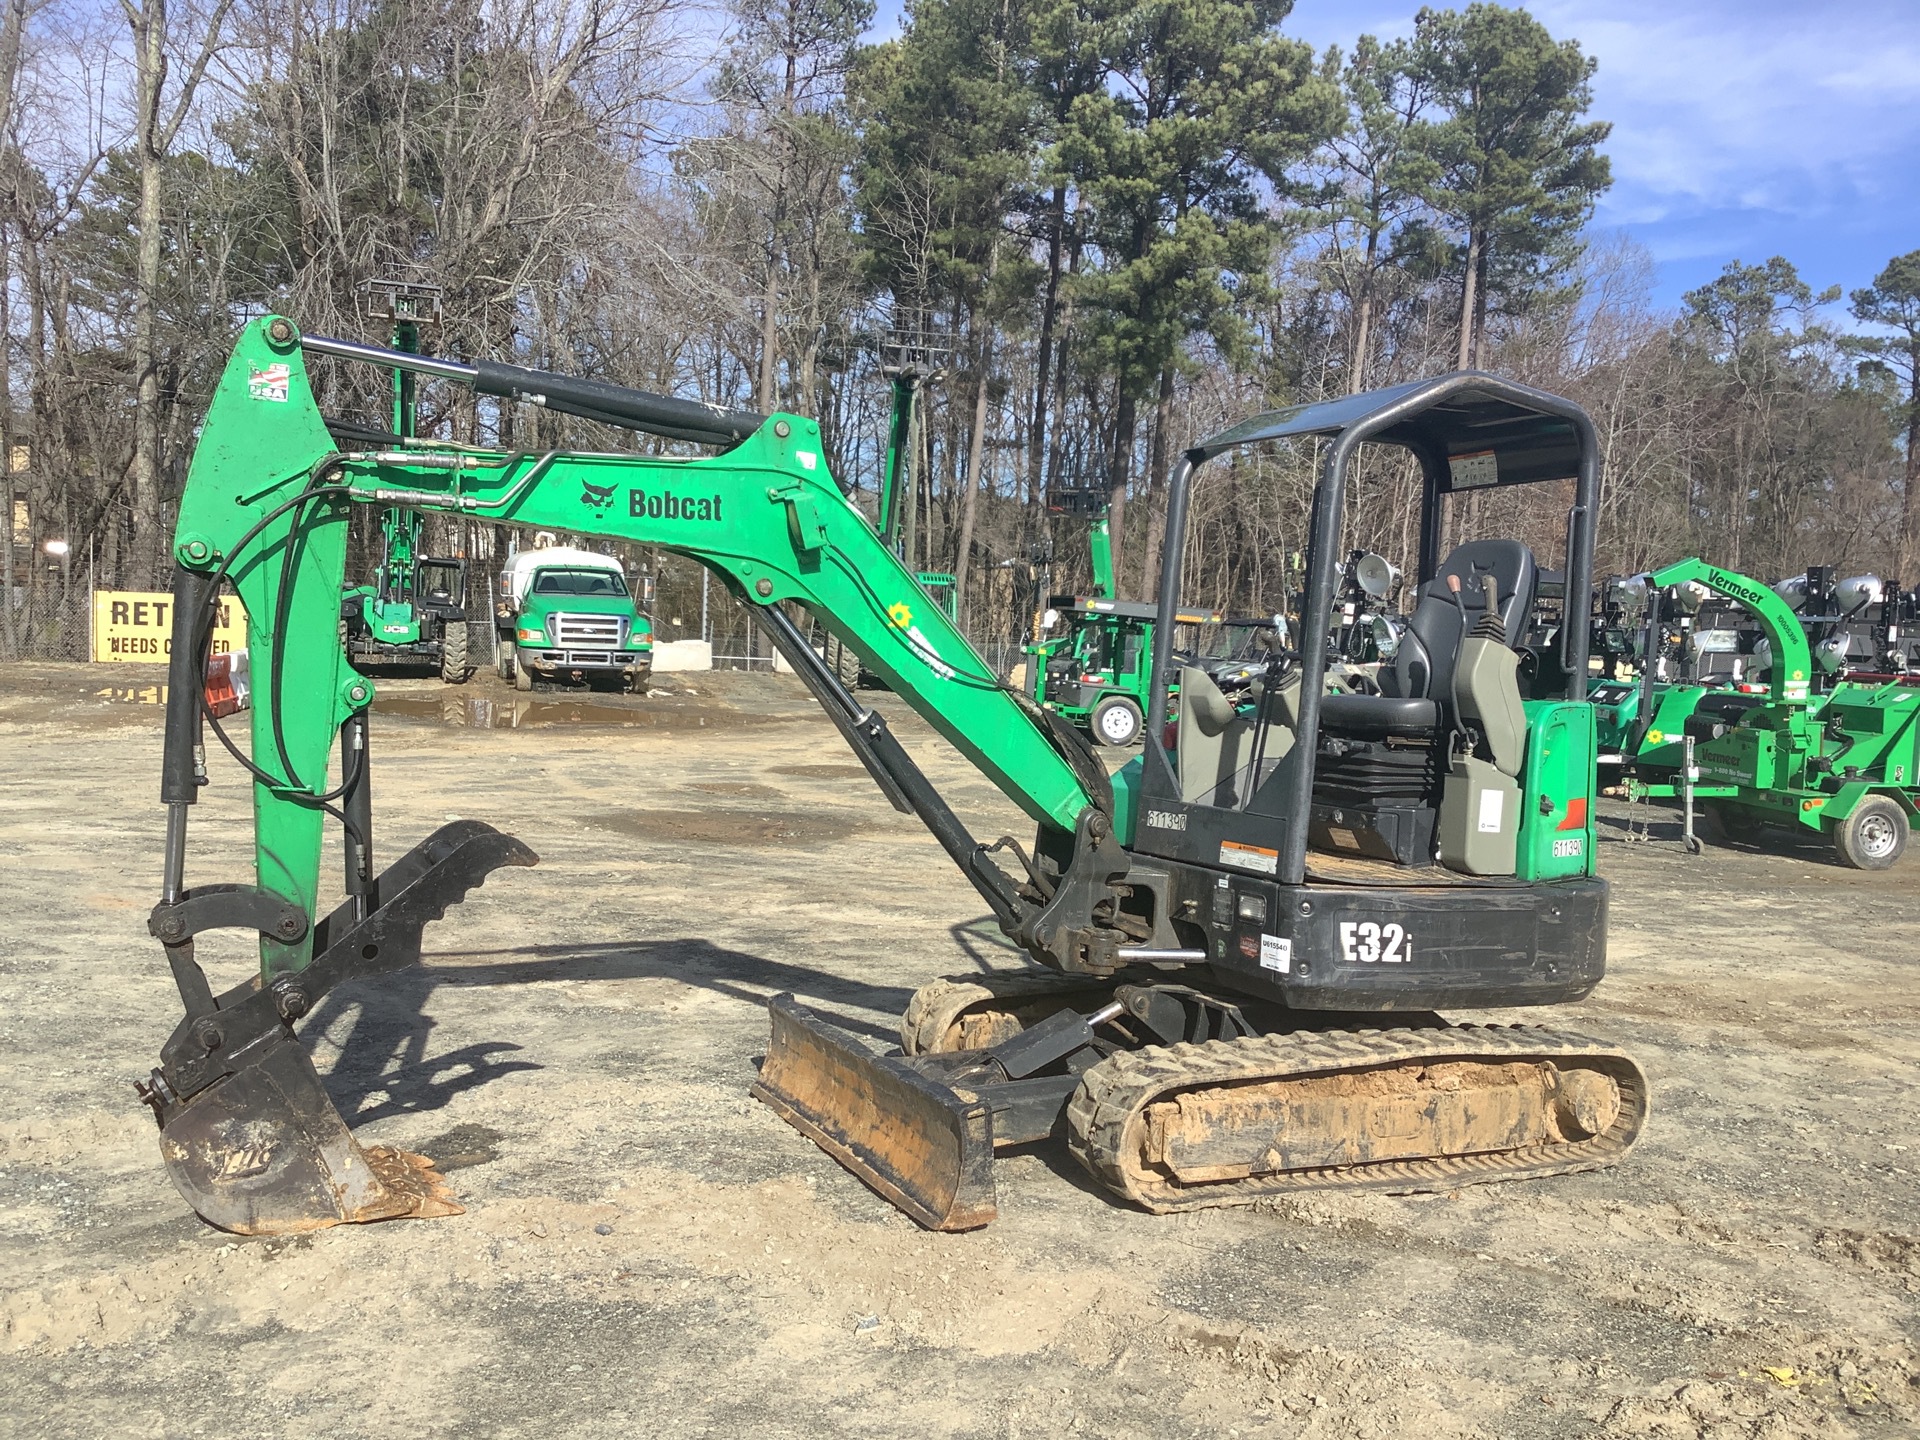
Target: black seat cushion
[{"x": 1375, "y": 717}]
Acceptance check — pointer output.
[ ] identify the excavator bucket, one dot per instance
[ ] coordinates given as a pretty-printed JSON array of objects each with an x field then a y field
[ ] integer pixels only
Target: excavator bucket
[
  {"x": 248, "y": 1133},
  {"x": 925, "y": 1146},
  {"x": 264, "y": 1152}
]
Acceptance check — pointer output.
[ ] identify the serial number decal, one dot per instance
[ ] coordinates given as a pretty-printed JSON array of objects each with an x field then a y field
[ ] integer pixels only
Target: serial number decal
[
  {"x": 1566, "y": 849},
  {"x": 1363, "y": 942},
  {"x": 1166, "y": 820},
  {"x": 1276, "y": 953}
]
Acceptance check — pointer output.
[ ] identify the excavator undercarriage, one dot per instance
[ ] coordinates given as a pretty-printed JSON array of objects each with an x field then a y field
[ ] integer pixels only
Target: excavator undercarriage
[{"x": 1212, "y": 1015}]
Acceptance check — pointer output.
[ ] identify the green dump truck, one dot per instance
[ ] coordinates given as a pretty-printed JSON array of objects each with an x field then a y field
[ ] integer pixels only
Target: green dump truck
[{"x": 568, "y": 615}]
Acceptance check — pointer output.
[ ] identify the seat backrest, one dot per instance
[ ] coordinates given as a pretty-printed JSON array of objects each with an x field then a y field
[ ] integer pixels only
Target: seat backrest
[{"x": 1422, "y": 668}]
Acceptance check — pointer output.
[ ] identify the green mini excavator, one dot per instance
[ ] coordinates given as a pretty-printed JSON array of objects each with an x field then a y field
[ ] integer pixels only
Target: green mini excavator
[{"x": 1238, "y": 945}]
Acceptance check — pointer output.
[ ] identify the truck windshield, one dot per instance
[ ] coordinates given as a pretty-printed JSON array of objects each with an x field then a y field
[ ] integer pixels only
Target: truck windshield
[{"x": 578, "y": 582}]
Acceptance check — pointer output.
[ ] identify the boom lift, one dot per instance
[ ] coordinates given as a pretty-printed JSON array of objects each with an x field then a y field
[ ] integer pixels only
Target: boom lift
[{"x": 1182, "y": 904}]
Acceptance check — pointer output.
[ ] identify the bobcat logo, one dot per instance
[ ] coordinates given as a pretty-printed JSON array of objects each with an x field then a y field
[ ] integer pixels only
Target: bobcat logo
[{"x": 598, "y": 496}]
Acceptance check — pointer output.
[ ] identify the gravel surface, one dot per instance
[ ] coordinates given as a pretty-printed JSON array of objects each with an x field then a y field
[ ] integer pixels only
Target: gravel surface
[{"x": 648, "y": 1251}]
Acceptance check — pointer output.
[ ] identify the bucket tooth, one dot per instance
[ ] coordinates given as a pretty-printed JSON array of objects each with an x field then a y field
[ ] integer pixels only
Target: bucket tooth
[{"x": 924, "y": 1146}]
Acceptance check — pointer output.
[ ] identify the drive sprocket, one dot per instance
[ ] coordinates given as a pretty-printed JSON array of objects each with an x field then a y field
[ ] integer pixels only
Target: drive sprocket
[{"x": 974, "y": 1012}]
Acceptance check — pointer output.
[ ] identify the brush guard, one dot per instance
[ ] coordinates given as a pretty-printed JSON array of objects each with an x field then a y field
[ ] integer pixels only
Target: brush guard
[{"x": 247, "y": 1132}]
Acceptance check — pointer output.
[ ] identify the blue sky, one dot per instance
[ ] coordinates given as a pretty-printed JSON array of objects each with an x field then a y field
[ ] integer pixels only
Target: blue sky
[{"x": 1742, "y": 128}]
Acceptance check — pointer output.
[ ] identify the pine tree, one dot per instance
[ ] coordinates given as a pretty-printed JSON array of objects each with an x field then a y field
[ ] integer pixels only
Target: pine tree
[
  {"x": 1515, "y": 166},
  {"x": 1893, "y": 301},
  {"x": 1202, "y": 100}
]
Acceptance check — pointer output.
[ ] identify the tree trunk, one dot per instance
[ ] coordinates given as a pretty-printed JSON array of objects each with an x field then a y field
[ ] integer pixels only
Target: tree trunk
[
  {"x": 149, "y": 45},
  {"x": 1363, "y": 319},
  {"x": 1362, "y": 343},
  {"x": 1119, "y": 467},
  {"x": 1469, "y": 303},
  {"x": 767, "y": 393},
  {"x": 976, "y": 466},
  {"x": 1903, "y": 573},
  {"x": 1157, "y": 488},
  {"x": 1049, "y": 310}
]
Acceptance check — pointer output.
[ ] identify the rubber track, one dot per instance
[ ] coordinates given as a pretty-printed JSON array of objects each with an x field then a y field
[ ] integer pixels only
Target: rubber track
[
  {"x": 1113, "y": 1094},
  {"x": 938, "y": 1005}
]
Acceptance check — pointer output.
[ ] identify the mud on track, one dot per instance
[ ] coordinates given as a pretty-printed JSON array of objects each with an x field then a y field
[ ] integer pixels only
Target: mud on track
[{"x": 648, "y": 1251}]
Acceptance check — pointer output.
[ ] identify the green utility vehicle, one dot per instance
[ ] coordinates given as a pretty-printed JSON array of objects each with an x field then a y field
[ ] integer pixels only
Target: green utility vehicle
[
  {"x": 567, "y": 614},
  {"x": 1843, "y": 762},
  {"x": 414, "y": 612},
  {"x": 1092, "y": 658}
]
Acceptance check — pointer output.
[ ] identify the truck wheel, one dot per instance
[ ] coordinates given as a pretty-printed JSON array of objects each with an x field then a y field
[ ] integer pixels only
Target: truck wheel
[
  {"x": 453, "y": 653},
  {"x": 504, "y": 664},
  {"x": 845, "y": 663},
  {"x": 1116, "y": 721},
  {"x": 636, "y": 680},
  {"x": 1874, "y": 835},
  {"x": 522, "y": 678}
]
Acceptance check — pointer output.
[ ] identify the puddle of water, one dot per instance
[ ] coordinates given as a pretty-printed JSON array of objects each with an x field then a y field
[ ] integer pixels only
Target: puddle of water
[
  {"x": 822, "y": 772},
  {"x": 726, "y": 827},
  {"x": 485, "y": 712}
]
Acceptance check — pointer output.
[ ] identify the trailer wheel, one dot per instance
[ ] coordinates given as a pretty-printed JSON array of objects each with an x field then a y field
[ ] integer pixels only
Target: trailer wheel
[
  {"x": 1874, "y": 835},
  {"x": 1719, "y": 824},
  {"x": 1116, "y": 721},
  {"x": 453, "y": 653}
]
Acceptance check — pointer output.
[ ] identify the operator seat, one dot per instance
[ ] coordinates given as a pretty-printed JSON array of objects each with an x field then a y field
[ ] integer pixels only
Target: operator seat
[{"x": 1381, "y": 758}]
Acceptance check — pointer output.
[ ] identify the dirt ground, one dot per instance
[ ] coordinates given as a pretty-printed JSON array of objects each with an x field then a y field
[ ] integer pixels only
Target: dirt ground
[{"x": 648, "y": 1251}]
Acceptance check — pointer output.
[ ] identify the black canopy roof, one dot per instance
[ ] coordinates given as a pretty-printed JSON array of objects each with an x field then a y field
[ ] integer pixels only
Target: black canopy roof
[{"x": 1489, "y": 431}]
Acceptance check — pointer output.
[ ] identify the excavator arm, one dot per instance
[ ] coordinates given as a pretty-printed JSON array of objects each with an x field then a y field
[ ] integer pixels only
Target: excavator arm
[{"x": 247, "y": 1132}]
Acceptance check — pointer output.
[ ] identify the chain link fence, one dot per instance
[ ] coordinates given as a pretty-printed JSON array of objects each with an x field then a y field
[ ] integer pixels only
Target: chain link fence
[{"x": 47, "y": 618}]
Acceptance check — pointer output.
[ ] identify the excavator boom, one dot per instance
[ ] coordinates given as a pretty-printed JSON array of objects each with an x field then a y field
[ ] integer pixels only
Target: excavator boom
[{"x": 249, "y": 1135}]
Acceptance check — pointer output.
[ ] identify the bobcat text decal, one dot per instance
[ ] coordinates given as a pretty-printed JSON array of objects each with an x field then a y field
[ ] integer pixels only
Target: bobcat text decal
[{"x": 642, "y": 506}]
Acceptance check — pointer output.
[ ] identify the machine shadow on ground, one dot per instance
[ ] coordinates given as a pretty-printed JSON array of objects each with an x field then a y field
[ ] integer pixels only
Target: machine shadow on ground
[{"x": 384, "y": 1051}]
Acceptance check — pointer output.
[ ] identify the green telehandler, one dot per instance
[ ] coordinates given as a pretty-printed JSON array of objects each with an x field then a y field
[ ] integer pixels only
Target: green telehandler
[
  {"x": 1232, "y": 995},
  {"x": 414, "y": 613}
]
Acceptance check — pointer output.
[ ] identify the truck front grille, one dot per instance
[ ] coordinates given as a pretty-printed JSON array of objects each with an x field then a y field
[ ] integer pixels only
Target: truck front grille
[{"x": 589, "y": 631}]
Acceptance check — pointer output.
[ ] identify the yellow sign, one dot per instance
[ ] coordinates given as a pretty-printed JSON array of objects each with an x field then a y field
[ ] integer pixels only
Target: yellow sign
[{"x": 138, "y": 625}]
